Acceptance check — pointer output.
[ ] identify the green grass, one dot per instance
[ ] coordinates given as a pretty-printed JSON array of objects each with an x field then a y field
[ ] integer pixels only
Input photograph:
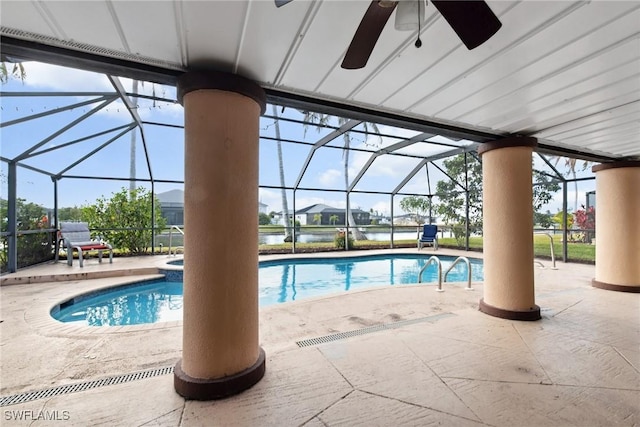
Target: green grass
[
  {"x": 575, "y": 251},
  {"x": 450, "y": 242},
  {"x": 580, "y": 252}
]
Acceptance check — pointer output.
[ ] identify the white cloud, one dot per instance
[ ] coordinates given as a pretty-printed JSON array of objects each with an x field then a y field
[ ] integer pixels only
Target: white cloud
[
  {"x": 393, "y": 166},
  {"x": 271, "y": 198},
  {"x": 329, "y": 177},
  {"x": 46, "y": 76},
  {"x": 381, "y": 207}
]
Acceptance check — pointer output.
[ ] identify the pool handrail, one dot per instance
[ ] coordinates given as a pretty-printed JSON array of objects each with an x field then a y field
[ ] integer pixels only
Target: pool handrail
[
  {"x": 439, "y": 264},
  {"x": 466, "y": 261},
  {"x": 171, "y": 237}
]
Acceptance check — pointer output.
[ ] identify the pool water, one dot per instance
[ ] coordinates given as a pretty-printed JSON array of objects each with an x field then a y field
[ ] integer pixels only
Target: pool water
[
  {"x": 143, "y": 302},
  {"x": 279, "y": 281}
]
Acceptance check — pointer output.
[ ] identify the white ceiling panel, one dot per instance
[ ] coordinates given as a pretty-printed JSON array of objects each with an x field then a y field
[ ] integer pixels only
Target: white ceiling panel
[
  {"x": 545, "y": 53},
  {"x": 567, "y": 72},
  {"x": 543, "y": 93},
  {"x": 573, "y": 109},
  {"x": 279, "y": 27},
  {"x": 605, "y": 120},
  {"x": 593, "y": 90},
  {"x": 323, "y": 44},
  {"x": 157, "y": 41},
  {"x": 89, "y": 22},
  {"x": 519, "y": 23},
  {"x": 213, "y": 31},
  {"x": 30, "y": 17}
]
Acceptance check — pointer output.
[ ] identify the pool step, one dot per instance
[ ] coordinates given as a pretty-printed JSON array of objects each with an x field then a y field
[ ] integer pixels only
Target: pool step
[{"x": 23, "y": 279}]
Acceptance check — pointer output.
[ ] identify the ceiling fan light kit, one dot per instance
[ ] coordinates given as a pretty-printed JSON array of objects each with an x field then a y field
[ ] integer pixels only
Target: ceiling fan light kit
[{"x": 409, "y": 14}]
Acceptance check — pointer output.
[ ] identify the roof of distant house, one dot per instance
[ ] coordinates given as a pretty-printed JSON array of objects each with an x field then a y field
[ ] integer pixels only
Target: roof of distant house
[
  {"x": 322, "y": 208},
  {"x": 171, "y": 196},
  {"x": 177, "y": 197}
]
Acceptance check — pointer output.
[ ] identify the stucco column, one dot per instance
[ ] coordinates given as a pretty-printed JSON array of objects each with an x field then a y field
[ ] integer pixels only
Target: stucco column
[
  {"x": 221, "y": 355},
  {"x": 618, "y": 226},
  {"x": 507, "y": 196}
]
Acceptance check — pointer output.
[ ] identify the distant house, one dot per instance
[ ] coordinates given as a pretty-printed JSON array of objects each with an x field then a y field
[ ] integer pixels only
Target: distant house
[
  {"x": 172, "y": 206},
  {"x": 307, "y": 216}
]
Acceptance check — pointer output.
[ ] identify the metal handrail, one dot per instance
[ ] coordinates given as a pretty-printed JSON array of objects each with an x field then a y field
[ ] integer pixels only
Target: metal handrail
[
  {"x": 553, "y": 256},
  {"x": 171, "y": 238},
  {"x": 466, "y": 261},
  {"x": 439, "y": 264}
]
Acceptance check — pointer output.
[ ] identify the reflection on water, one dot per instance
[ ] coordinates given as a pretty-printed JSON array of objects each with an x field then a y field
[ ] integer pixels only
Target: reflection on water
[{"x": 308, "y": 278}]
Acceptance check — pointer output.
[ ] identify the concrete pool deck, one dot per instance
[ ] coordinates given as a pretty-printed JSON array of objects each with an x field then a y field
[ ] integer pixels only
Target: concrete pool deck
[{"x": 438, "y": 360}]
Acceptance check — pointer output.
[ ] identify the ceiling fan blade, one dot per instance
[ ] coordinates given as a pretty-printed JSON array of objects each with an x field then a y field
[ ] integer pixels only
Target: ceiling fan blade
[
  {"x": 280, "y": 3},
  {"x": 473, "y": 21},
  {"x": 367, "y": 34}
]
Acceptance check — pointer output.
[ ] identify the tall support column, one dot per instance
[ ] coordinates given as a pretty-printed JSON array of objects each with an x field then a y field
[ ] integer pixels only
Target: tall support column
[
  {"x": 221, "y": 355},
  {"x": 618, "y": 226},
  {"x": 508, "y": 229}
]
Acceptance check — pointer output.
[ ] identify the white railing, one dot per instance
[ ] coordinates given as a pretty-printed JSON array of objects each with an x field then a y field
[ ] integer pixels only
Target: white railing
[
  {"x": 466, "y": 261},
  {"x": 439, "y": 264},
  {"x": 553, "y": 255},
  {"x": 174, "y": 227}
]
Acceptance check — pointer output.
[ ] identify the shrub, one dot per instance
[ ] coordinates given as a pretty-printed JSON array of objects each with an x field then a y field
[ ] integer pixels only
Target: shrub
[
  {"x": 32, "y": 248},
  {"x": 339, "y": 240},
  {"x": 460, "y": 234},
  {"x": 125, "y": 219}
]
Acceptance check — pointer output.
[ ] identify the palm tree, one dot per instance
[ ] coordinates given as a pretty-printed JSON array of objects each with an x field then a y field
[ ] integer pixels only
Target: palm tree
[
  {"x": 17, "y": 71},
  {"x": 317, "y": 218},
  {"x": 132, "y": 148},
  {"x": 285, "y": 207},
  {"x": 323, "y": 119},
  {"x": 571, "y": 164},
  {"x": 333, "y": 219}
]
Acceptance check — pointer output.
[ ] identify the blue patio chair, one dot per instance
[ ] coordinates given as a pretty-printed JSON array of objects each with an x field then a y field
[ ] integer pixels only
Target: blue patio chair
[{"x": 429, "y": 236}]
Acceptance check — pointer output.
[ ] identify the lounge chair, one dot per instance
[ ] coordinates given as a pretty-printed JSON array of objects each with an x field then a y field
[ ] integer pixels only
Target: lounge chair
[
  {"x": 429, "y": 236},
  {"x": 76, "y": 237}
]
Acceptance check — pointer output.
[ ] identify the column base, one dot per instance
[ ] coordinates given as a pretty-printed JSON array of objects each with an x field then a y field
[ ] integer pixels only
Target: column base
[
  {"x": 218, "y": 388},
  {"x": 528, "y": 315},
  {"x": 611, "y": 287}
]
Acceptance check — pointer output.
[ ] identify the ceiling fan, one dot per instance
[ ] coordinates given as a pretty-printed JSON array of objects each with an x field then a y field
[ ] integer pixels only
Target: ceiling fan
[{"x": 472, "y": 20}]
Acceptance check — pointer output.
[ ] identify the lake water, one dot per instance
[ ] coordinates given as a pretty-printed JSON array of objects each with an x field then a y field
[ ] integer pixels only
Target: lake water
[{"x": 276, "y": 239}]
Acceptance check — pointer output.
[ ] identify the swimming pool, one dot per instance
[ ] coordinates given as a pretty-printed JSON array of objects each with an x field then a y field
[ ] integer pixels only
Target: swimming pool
[{"x": 278, "y": 282}]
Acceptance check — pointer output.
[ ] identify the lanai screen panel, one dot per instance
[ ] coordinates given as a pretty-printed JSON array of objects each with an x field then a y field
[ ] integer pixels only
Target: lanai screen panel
[
  {"x": 385, "y": 173},
  {"x": 165, "y": 146},
  {"x": 293, "y": 156}
]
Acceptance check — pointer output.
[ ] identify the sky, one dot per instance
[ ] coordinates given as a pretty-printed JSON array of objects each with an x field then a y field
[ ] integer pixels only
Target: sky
[{"x": 166, "y": 151}]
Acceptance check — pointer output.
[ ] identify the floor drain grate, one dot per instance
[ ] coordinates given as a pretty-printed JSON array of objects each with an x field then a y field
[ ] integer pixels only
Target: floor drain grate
[
  {"x": 87, "y": 385},
  {"x": 370, "y": 329}
]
